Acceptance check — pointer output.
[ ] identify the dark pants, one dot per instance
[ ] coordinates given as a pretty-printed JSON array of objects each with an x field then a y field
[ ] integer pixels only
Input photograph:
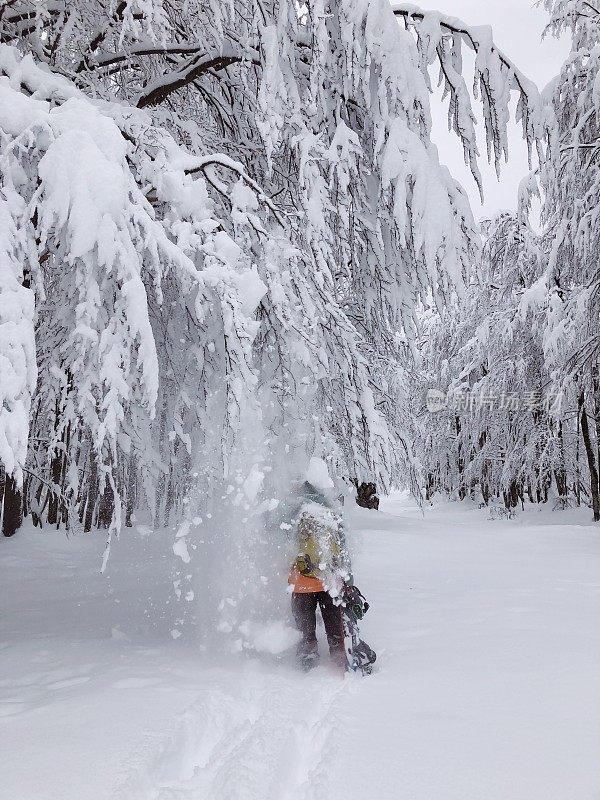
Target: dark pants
[{"x": 304, "y": 608}]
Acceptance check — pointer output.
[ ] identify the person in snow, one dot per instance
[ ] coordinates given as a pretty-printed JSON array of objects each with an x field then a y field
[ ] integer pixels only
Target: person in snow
[{"x": 319, "y": 574}]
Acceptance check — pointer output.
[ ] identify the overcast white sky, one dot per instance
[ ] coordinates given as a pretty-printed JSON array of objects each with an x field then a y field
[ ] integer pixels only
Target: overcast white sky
[{"x": 517, "y": 26}]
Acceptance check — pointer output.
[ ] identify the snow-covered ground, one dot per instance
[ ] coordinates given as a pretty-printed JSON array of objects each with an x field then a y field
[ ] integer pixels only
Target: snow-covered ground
[{"x": 488, "y": 681}]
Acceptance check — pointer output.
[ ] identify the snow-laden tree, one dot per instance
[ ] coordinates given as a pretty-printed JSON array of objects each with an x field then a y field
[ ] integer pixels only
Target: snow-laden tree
[
  {"x": 502, "y": 433},
  {"x": 571, "y": 185},
  {"x": 567, "y": 293},
  {"x": 17, "y": 353},
  {"x": 530, "y": 325},
  {"x": 224, "y": 212}
]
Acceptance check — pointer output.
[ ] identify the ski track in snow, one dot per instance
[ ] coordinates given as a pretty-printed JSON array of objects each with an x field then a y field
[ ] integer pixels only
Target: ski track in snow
[
  {"x": 275, "y": 740},
  {"x": 486, "y": 685}
]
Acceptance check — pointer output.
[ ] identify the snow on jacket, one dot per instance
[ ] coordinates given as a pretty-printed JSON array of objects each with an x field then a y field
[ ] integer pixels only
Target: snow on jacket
[{"x": 321, "y": 563}]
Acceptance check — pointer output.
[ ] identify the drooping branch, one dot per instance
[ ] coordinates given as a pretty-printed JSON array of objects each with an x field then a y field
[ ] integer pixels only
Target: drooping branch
[
  {"x": 207, "y": 165},
  {"x": 452, "y": 25},
  {"x": 496, "y": 73}
]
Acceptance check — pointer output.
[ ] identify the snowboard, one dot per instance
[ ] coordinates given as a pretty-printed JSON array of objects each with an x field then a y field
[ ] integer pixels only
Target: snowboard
[{"x": 359, "y": 656}]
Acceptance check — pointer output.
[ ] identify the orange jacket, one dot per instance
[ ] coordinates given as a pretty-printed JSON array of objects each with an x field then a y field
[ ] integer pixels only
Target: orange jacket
[{"x": 304, "y": 584}]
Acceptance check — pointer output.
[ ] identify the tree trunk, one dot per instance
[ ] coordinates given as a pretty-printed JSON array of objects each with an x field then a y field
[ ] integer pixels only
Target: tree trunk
[
  {"x": 161, "y": 486},
  {"x": 12, "y": 516},
  {"x": 429, "y": 486},
  {"x": 560, "y": 473},
  {"x": 591, "y": 459},
  {"x": 512, "y": 495},
  {"x": 92, "y": 491},
  {"x": 596, "y": 387},
  {"x": 106, "y": 506},
  {"x": 58, "y": 511},
  {"x": 2, "y": 485},
  {"x": 56, "y": 462},
  {"x": 37, "y": 510},
  {"x": 485, "y": 471},
  {"x": 577, "y": 470},
  {"x": 460, "y": 461},
  {"x": 172, "y": 483},
  {"x": 560, "y": 476},
  {"x": 131, "y": 489}
]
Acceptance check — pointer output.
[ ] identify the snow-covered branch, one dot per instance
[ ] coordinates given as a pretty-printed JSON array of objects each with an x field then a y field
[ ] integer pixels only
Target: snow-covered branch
[
  {"x": 439, "y": 38},
  {"x": 160, "y": 89}
]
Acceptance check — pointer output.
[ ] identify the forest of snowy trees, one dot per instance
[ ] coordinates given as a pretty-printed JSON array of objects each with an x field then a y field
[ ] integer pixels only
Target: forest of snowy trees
[
  {"x": 224, "y": 227},
  {"x": 520, "y": 351}
]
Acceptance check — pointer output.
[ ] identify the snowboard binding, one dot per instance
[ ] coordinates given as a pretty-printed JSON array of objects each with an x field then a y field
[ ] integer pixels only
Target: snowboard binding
[{"x": 355, "y": 601}]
